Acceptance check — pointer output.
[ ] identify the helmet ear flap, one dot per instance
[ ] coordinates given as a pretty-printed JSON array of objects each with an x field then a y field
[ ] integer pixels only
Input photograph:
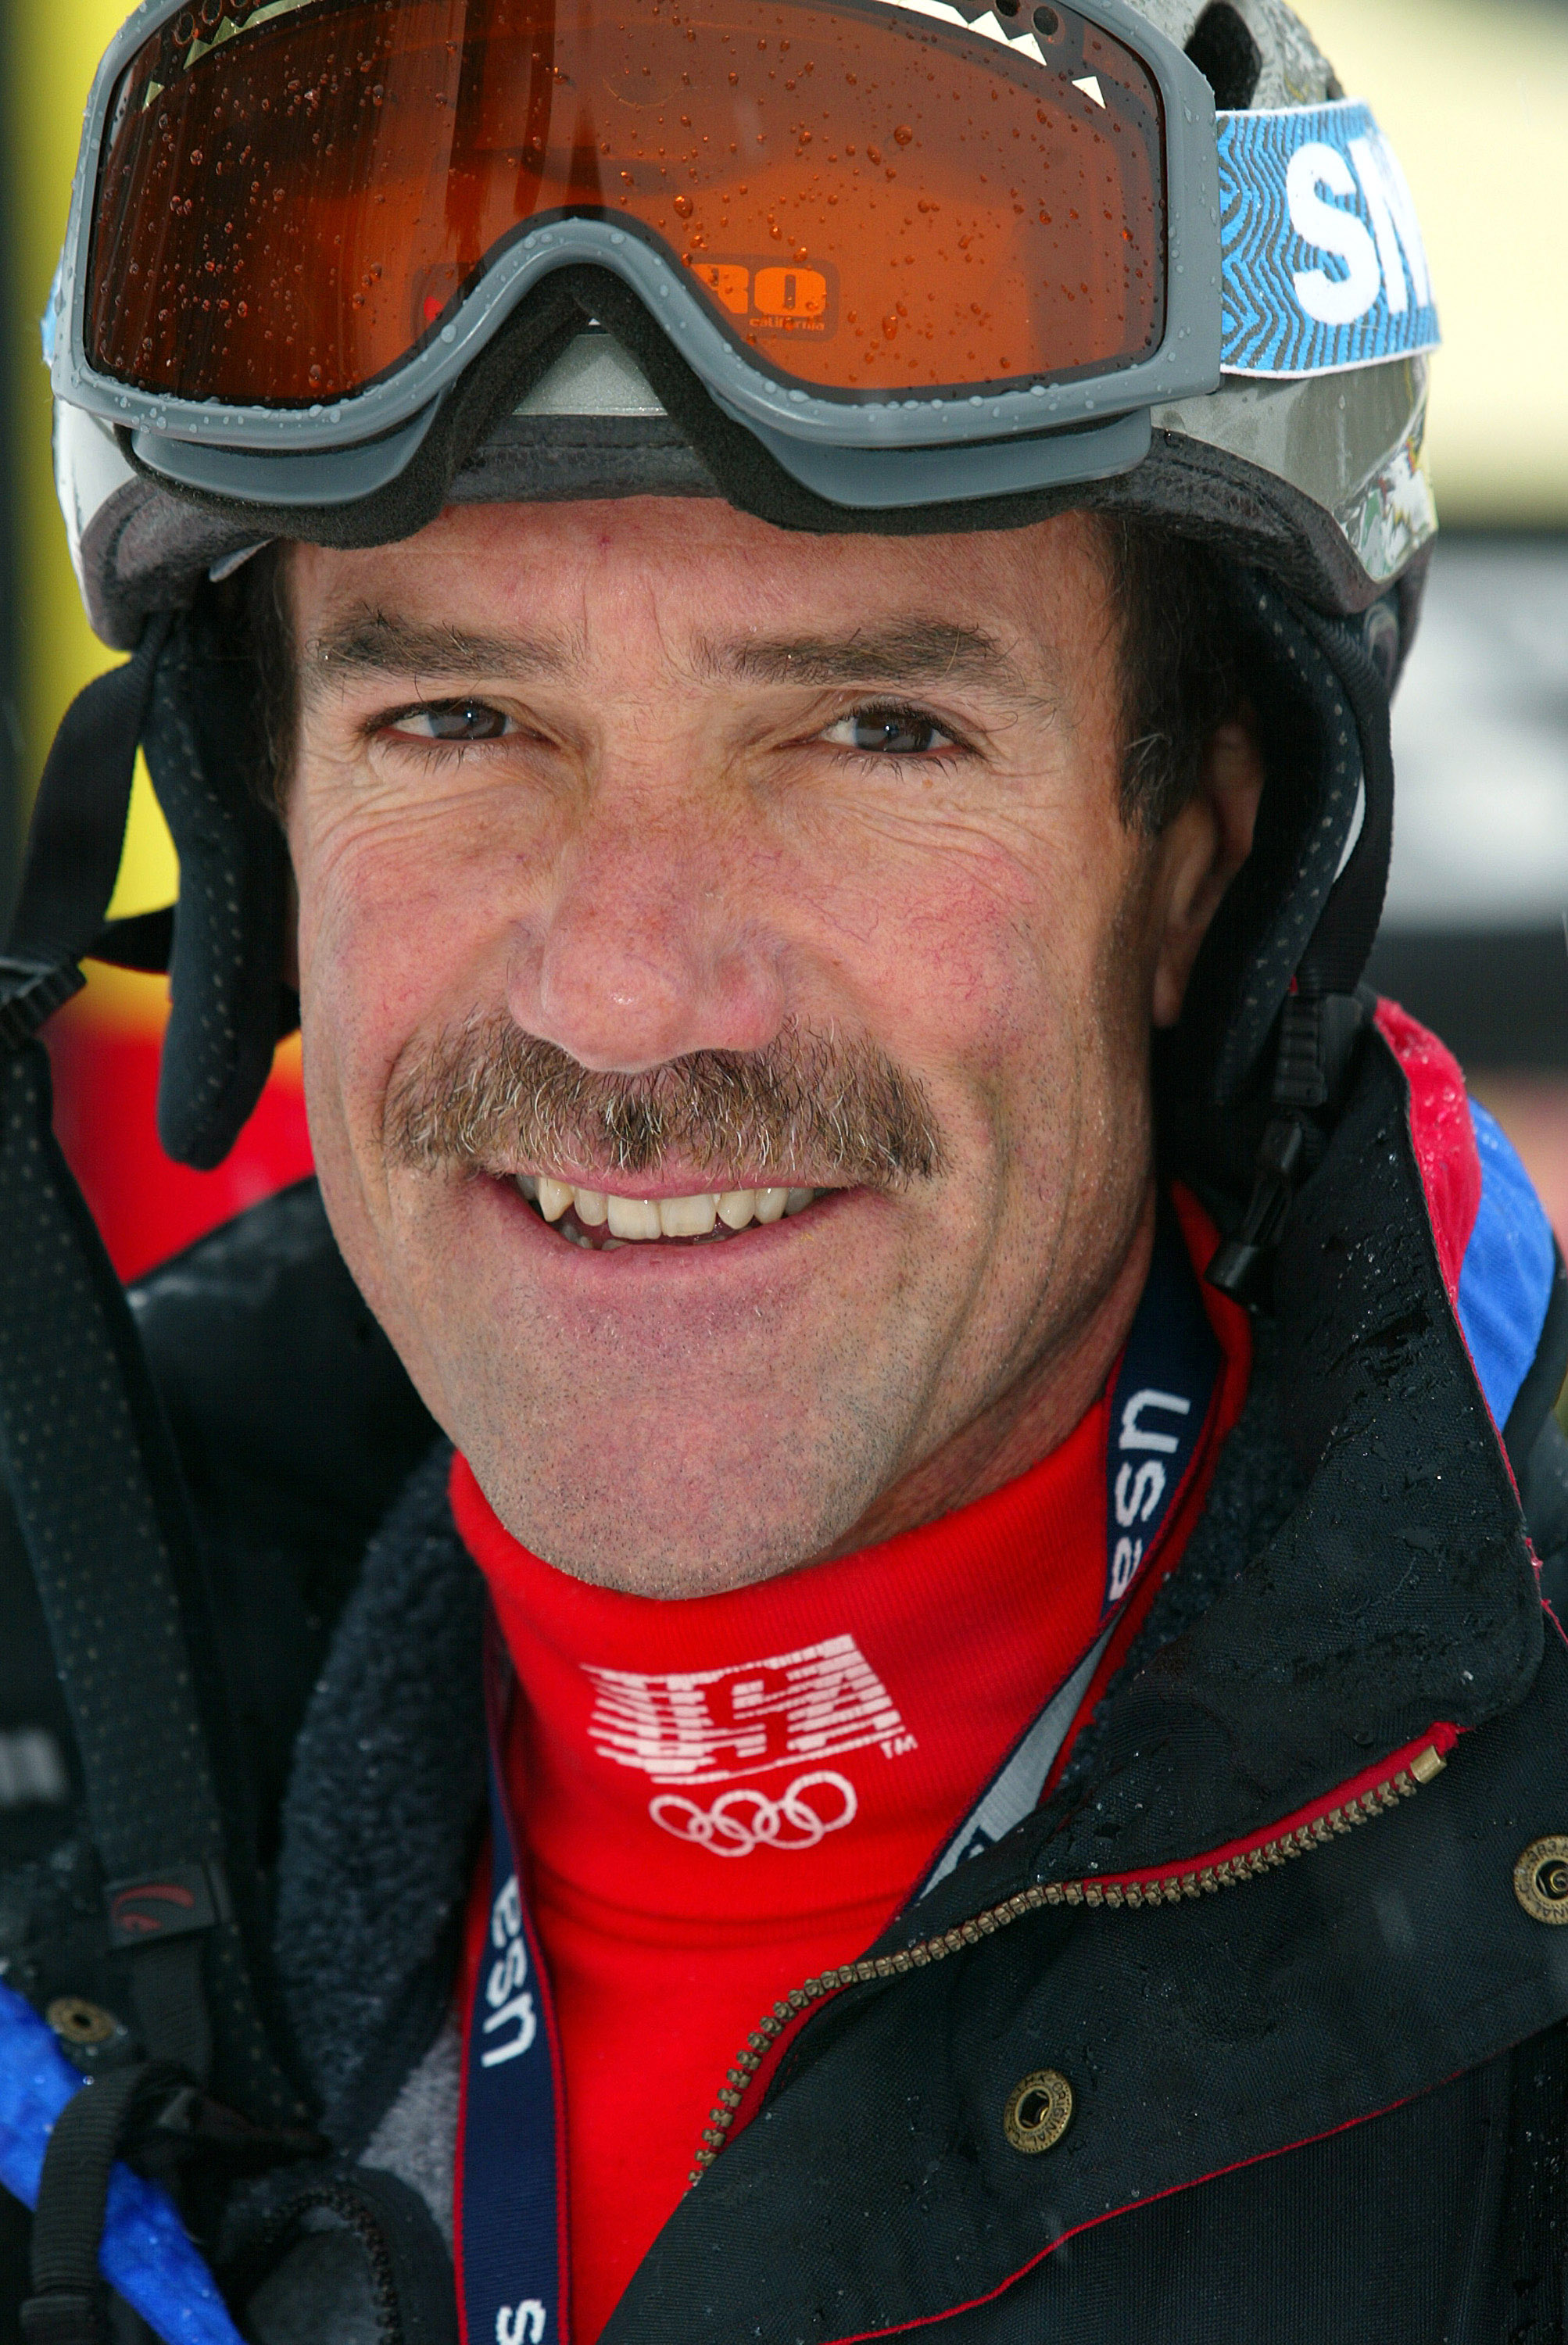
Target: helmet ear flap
[{"x": 204, "y": 742}]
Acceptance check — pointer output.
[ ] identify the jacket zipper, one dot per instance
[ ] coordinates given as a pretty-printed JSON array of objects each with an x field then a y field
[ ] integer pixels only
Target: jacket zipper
[{"x": 1365, "y": 1796}]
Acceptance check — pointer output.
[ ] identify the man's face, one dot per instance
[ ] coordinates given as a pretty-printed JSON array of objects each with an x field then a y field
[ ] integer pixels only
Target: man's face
[{"x": 646, "y": 850}]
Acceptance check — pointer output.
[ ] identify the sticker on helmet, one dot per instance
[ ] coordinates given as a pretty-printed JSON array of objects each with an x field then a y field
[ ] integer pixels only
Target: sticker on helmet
[{"x": 1324, "y": 267}]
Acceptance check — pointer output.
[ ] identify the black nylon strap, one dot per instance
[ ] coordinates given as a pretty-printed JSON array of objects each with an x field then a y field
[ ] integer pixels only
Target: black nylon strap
[
  {"x": 87, "y": 1456},
  {"x": 98, "y": 1495},
  {"x": 171, "y": 2006},
  {"x": 74, "y": 1468},
  {"x": 72, "y": 2192},
  {"x": 78, "y": 823},
  {"x": 1342, "y": 942}
]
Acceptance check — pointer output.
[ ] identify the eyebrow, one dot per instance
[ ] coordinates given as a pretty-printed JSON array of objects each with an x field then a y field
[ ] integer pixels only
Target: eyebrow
[
  {"x": 911, "y": 653},
  {"x": 365, "y": 642},
  {"x": 914, "y": 652}
]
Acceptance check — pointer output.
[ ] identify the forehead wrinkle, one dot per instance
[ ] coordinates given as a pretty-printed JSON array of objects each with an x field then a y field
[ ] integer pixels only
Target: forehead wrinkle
[
  {"x": 910, "y": 653},
  {"x": 369, "y": 642}
]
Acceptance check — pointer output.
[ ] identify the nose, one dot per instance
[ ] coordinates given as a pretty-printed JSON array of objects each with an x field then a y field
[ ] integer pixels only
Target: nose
[{"x": 643, "y": 953}]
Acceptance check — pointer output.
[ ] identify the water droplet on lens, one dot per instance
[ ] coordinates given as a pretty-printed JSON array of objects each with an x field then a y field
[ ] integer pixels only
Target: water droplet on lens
[
  {"x": 684, "y": 206},
  {"x": 903, "y": 134}
]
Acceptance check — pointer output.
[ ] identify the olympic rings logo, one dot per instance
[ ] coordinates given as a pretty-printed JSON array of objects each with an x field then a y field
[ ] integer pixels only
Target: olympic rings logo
[{"x": 743, "y": 1820}]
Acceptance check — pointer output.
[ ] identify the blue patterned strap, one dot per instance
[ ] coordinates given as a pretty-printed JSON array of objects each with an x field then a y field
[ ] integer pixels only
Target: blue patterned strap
[{"x": 1324, "y": 265}]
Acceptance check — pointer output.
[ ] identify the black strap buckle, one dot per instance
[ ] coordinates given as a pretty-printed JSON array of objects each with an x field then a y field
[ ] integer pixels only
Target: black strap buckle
[
  {"x": 31, "y": 991},
  {"x": 67, "y": 2315},
  {"x": 170, "y": 1903},
  {"x": 1317, "y": 1035},
  {"x": 159, "y": 1919}
]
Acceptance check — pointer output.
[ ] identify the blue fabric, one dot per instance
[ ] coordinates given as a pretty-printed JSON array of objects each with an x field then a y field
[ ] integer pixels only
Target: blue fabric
[
  {"x": 146, "y": 2253},
  {"x": 1505, "y": 1279},
  {"x": 1322, "y": 257}
]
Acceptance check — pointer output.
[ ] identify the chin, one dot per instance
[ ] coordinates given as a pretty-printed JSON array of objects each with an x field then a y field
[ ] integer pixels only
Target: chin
[{"x": 661, "y": 1524}]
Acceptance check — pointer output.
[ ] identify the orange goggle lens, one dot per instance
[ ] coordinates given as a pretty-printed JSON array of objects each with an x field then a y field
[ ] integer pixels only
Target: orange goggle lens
[{"x": 293, "y": 197}]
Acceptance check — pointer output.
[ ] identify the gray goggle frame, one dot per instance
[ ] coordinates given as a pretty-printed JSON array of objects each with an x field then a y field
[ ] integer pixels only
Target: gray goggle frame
[{"x": 886, "y": 455}]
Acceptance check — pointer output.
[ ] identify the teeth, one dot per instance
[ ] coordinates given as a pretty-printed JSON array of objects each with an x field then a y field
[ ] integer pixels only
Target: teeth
[
  {"x": 637, "y": 1219},
  {"x": 555, "y": 1196},
  {"x": 688, "y": 1217},
  {"x": 634, "y": 1217}
]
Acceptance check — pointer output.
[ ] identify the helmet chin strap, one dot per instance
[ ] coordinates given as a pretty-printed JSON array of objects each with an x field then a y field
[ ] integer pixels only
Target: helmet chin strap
[{"x": 1323, "y": 1012}]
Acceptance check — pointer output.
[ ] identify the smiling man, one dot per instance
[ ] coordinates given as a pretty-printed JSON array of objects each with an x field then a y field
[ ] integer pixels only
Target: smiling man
[
  {"x": 840, "y": 1636},
  {"x": 728, "y": 967}
]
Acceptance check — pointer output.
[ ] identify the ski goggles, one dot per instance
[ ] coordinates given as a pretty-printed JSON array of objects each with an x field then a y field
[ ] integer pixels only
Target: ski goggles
[{"x": 871, "y": 228}]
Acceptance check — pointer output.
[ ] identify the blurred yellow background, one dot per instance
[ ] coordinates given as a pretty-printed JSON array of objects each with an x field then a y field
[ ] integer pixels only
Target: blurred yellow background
[{"x": 1474, "y": 99}]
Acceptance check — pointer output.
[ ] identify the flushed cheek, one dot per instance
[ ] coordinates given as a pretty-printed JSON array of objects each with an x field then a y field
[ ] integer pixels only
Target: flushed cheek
[
  {"x": 970, "y": 978},
  {"x": 376, "y": 956},
  {"x": 996, "y": 980},
  {"x": 401, "y": 894},
  {"x": 394, "y": 930}
]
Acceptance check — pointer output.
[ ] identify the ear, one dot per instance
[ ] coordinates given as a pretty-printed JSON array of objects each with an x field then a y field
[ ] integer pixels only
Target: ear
[{"x": 1200, "y": 853}]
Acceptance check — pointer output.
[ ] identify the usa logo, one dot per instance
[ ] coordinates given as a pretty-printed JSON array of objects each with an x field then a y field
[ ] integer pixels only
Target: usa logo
[{"x": 711, "y": 1726}]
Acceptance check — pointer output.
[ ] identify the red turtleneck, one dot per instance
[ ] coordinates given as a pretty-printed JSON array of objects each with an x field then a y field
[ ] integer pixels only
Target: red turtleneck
[{"x": 724, "y": 1796}]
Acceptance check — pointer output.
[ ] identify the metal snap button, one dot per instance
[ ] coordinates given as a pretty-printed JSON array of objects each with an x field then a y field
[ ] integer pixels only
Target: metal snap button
[
  {"x": 1541, "y": 1878},
  {"x": 79, "y": 2023},
  {"x": 1039, "y": 2111}
]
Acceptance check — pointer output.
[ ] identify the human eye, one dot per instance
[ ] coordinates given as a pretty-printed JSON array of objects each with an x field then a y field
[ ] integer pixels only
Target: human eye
[
  {"x": 449, "y": 723},
  {"x": 889, "y": 729}
]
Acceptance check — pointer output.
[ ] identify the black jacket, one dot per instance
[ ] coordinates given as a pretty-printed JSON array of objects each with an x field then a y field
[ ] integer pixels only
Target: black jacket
[{"x": 1294, "y": 1973}]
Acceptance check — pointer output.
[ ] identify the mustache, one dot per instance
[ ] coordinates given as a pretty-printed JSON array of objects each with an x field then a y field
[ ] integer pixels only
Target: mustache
[{"x": 485, "y": 1096}]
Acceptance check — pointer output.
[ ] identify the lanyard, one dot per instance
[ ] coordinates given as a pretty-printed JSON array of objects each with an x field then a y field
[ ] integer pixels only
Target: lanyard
[
  {"x": 1161, "y": 1403},
  {"x": 512, "y": 2255},
  {"x": 511, "y": 2193}
]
